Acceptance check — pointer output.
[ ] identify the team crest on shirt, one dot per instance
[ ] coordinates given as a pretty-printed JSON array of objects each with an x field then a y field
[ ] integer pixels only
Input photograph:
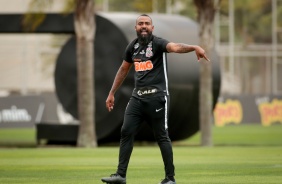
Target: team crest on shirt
[{"x": 149, "y": 51}]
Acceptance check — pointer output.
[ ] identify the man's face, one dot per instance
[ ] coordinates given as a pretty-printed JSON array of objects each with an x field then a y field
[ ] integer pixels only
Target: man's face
[{"x": 144, "y": 27}]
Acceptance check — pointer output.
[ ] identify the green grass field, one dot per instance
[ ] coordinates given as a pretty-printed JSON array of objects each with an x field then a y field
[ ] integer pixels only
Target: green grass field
[{"x": 241, "y": 154}]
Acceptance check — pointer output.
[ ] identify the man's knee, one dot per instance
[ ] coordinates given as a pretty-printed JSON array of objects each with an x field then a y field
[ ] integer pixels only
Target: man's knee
[
  {"x": 125, "y": 132},
  {"x": 161, "y": 138}
]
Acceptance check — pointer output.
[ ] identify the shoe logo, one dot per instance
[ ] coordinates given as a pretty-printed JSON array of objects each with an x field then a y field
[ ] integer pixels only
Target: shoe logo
[{"x": 157, "y": 110}]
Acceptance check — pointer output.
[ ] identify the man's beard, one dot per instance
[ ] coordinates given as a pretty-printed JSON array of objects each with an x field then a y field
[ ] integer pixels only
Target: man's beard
[{"x": 144, "y": 39}]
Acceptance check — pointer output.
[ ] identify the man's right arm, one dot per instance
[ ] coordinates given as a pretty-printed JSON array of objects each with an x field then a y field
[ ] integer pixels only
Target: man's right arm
[
  {"x": 184, "y": 48},
  {"x": 120, "y": 76}
]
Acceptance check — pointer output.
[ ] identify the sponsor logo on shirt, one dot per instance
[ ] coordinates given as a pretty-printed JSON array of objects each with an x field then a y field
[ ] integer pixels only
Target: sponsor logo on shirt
[
  {"x": 136, "y": 45},
  {"x": 142, "y": 92},
  {"x": 137, "y": 60},
  {"x": 143, "y": 66}
]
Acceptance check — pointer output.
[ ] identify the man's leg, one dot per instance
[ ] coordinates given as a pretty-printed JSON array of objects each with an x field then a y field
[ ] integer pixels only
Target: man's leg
[
  {"x": 167, "y": 154},
  {"x": 158, "y": 116},
  {"x": 132, "y": 121}
]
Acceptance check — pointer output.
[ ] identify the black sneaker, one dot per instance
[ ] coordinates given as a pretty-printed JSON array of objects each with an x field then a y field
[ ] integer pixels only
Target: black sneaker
[
  {"x": 114, "y": 179},
  {"x": 167, "y": 181}
]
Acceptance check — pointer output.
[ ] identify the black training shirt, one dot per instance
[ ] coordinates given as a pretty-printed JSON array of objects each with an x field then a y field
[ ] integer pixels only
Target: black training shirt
[{"x": 150, "y": 64}]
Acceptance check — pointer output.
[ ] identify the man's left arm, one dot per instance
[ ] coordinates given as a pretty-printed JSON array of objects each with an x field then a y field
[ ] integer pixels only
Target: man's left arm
[{"x": 184, "y": 48}]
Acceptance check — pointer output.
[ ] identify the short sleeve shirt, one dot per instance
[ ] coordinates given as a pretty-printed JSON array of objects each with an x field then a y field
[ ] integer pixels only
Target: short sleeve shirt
[{"x": 150, "y": 64}]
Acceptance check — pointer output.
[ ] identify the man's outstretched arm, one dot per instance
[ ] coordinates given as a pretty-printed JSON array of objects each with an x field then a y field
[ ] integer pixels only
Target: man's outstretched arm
[
  {"x": 120, "y": 76},
  {"x": 184, "y": 48}
]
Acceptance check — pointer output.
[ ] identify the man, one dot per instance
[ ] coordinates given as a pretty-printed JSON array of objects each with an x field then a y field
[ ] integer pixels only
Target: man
[{"x": 150, "y": 97}]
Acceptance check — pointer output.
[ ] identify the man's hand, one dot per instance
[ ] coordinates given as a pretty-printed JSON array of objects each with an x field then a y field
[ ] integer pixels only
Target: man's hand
[
  {"x": 110, "y": 102},
  {"x": 201, "y": 53}
]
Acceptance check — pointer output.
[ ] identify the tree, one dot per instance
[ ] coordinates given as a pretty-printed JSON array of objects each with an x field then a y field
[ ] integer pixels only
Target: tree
[
  {"x": 206, "y": 12},
  {"x": 84, "y": 22}
]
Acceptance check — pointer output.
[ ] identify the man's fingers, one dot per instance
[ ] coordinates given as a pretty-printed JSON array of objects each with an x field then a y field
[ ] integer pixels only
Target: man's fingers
[
  {"x": 111, "y": 107},
  {"x": 202, "y": 56},
  {"x": 198, "y": 57},
  {"x": 206, "y": 57},
  {"x": 109, "y": 104}
]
